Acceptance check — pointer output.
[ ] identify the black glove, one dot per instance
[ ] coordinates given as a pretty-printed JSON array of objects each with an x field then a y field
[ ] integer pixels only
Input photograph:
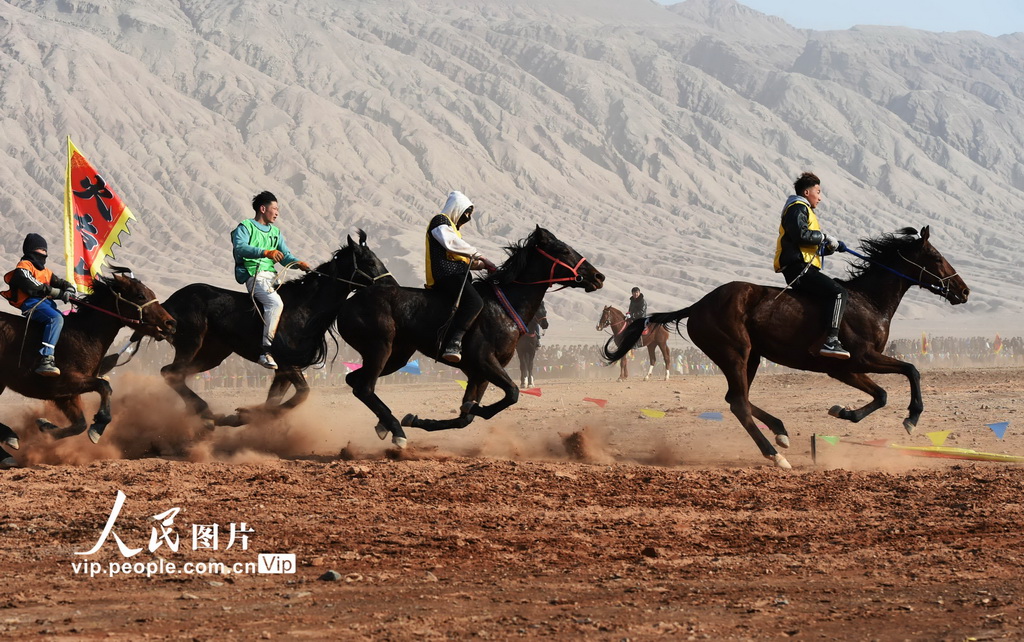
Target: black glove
[{"x": 67, "y": 295}]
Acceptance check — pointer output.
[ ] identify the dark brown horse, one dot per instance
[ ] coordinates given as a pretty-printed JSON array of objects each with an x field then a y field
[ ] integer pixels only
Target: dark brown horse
[
  {"x": 213, "y": 323},
  {"x": 738, "y": 323},
  {"x": 655, "y": 337},
  {"x": 115, "y": 302},
  {"x": 526, "y": 347},
  {"x": 387, "y": 324}
]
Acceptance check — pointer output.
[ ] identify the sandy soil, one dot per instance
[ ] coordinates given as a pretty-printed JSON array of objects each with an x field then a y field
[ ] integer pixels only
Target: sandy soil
[{"x": 558, "y": 519}]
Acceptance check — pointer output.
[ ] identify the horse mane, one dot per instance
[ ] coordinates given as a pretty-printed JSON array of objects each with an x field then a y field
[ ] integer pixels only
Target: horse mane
[
  {"x": 882, "y": 250},
  {"x": 312, "y": 347},
  {"x": 518, "y": 259}
]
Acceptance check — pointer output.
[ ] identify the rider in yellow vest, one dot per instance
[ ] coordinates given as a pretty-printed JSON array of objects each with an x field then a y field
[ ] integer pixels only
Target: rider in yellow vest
[
  {"x": 798, "y": 255},
  {"x": 33, "y": 289},
  {"x": 449, "y": 259}
]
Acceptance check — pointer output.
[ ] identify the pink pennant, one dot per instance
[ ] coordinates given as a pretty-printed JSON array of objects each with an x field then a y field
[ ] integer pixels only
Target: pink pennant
[
  {"x": 531, "y": 391},
  {"x": 599, "y": 402}
]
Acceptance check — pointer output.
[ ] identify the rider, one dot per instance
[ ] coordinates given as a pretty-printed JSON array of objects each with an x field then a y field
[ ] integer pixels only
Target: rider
[
  {"x": 33, "y": 288},
  {"x": 449, "y": 259},
  {"x": 637, "y": 305},
  {"x": 258, "y": 244},
  {"x": 798, "y": 255}
]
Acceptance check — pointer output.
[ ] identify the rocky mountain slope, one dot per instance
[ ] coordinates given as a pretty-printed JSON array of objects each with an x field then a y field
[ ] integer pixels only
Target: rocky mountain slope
[{"x": 659, "y": 141}]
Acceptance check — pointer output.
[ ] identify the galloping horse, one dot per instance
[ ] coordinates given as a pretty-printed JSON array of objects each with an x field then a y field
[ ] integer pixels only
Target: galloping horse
[
  {"x": 656, "y": 337},
  {"x": 115, "y": 302},
  {"x": 738, "y": 323},
  {"x": 213, "y": 323},
  {"x": 388, "y": 324},
  {"x": 526, "y": 347}
]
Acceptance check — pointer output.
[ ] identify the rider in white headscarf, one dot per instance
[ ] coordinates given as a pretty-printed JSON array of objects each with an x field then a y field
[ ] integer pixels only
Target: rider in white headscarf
[{"x": 449, "y": 258}]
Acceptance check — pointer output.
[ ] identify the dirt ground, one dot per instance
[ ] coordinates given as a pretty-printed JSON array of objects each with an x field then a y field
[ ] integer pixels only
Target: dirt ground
[{"x": 558, "y": 519}]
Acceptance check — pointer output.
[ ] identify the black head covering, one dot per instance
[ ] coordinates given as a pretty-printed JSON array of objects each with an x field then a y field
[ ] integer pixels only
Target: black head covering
[{"x": 32, "y": 243}]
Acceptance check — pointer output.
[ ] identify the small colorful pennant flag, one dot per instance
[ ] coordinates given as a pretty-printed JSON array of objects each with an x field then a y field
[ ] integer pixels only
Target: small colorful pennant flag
[
  {"x": 999, "y": 428},
  {"x": 938, "y": 437},
  {"x": 829, "y": 439},
  {"x": 531, "y": 391},
  {"x": 657, "y": 414},
  {"x": 352, "y": 367},
  {"x": 413, "y": 367},
  {"x": 462, "y": 383},
  {"x": 713, "y": 416},
  {"x": 600, "y": 402}
]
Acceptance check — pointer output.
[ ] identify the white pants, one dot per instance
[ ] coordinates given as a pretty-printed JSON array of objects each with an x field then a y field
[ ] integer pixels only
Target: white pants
[{"x": 261, "y": 287}]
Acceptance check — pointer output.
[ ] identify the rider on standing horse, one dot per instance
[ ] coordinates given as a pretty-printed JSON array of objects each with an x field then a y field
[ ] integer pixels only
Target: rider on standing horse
[
  {"x": 449, "y": 260},
  {"x": 33, "y": 288},
  {"x": 798, "y": 255},
  {"x": 258, "y": 244}
]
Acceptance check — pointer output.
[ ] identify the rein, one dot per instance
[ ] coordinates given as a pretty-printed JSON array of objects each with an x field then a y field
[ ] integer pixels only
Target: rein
[
  {"x": 117, "y": 315},
  {"x": 939, "y": 288},
  {"x": 503, "y": 300}
]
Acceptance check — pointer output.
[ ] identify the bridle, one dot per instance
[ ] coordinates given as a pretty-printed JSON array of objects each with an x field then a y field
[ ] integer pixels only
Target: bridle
[
  {"x": 940, "y": 287},
  {"x": 134, "y": 323},
  {"x": 356, "y": 272},
  {"x": 555, "y": 263}
]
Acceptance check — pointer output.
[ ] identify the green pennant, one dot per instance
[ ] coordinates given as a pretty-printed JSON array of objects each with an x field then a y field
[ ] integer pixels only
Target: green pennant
[{"x": 831, "y": 440}]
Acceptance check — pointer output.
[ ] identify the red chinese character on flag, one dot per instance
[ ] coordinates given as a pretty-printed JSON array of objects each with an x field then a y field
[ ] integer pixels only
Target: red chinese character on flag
[{"x": 94, "y": 218}]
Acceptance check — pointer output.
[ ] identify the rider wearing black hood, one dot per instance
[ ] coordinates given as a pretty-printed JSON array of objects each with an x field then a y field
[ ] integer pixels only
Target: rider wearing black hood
[{"x": 33, "y": 288}]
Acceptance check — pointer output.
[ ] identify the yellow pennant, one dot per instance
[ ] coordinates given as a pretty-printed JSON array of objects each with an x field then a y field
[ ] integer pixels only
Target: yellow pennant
[
  {"x": 938, "y": 437},
  {"x": 461, "y": 383},
  {"x": 657, "y": 414}
]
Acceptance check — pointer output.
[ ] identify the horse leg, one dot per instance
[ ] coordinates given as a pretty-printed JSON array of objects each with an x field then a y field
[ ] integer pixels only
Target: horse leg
[
  {"x": 738, "y": 398},
  {"x": 523, "y": 367},
  {"x": 467, "y": 411},
  {"x": 71, "y": 407},
  {"x": 651, "y": 357},
  {"x": 364, "y": 383},
  {"x": 529, "y": 367},
  {"x": 774, "y": 423},
  {"x": 284, "y": 378},
  {"x": 880, "y": 364},
  {"x": 668, "y": 361},
  {"x": 187, "y": 363},
  {"x": 623, "y": 369},
  {"x": 864, "y": 383}
]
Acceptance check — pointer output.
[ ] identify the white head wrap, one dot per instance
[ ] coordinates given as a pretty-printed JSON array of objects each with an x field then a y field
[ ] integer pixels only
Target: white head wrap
[{"x": 456, "y": 205}]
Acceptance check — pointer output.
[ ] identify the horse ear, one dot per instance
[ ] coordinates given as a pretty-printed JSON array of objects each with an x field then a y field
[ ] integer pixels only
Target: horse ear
[
  {"x": 351, "y": 243},
  {"x": 362, "y": 237},
  {"x": 925, "y": 232}
]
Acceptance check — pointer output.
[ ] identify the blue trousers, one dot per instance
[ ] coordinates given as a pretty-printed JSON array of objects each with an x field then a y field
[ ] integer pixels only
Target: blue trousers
[{"x": 51, "y": 318}]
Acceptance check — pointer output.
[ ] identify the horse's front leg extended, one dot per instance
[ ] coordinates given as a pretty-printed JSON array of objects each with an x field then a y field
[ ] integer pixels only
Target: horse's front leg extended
[{"x": 881, "y": 364}]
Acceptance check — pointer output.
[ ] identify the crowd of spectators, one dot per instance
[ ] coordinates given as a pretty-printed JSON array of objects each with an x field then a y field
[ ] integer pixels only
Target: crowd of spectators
[{"x": 580, "y": 361}]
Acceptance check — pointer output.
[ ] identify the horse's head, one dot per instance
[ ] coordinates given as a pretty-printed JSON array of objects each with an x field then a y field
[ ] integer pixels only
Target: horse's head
[
  {"x": 558, "y": 264},
  {"x": 128, "y": 299},
  {"x": 606, "y": 318},
  {"x": 356, "y": 264},
  {"x": 542, "y": 316},
  {"x": 932, "y": 269}
]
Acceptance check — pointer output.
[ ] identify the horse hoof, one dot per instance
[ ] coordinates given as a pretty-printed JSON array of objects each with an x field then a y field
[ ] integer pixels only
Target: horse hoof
[
  {"x": 400, "y": 442},
  {"x": 909, "y": 426},
  {"x": 8, "y": 462},
  {"x": 407, "y": 421},
  {"x": 836, "y": 411},
  {"x": 782, "y": 440},
  {"x": 44, "y": 425},
  {"x": 780, "y": 461},
  {"x": 13, "y": 442},
  {"x": 382, "y": 430},
  {"x": 95, "y": 434}
]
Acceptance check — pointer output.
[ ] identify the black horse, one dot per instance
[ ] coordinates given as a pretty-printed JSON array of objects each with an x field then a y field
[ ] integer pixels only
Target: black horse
[
  {"x": 213, "y": 323},
  {"x": 387, "y": 324},
  {"x": 526, "y": 347},
  {"x": 116, "y": 302},
  {"x": 738, "y": 323}
]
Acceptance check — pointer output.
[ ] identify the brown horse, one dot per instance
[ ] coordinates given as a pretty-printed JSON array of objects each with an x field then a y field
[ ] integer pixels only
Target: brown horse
[
  {"x": 655, "y": 337},
  {"x": 115, "y": 302},
  {"x": 739, "y": 323}
]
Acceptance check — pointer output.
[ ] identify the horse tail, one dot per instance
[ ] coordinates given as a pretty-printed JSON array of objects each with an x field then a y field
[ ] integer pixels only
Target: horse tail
[{"x": 626, "y": 339}]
